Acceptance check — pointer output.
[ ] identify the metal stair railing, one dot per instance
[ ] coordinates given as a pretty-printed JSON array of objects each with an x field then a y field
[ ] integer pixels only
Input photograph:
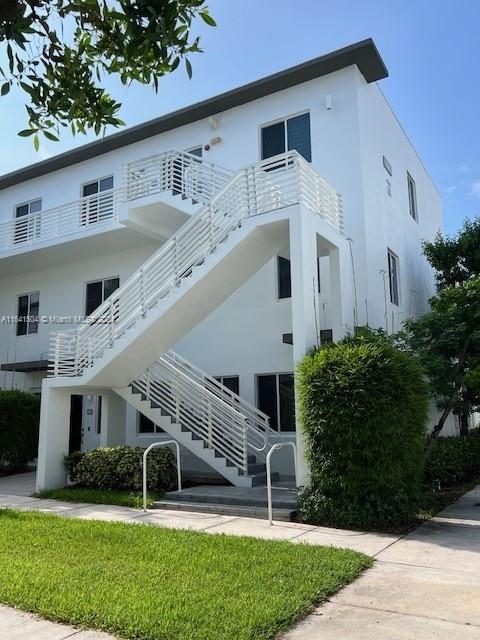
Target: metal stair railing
[
  {"x": 214, "y": 421},
  {"x": 266, "y": 186}
]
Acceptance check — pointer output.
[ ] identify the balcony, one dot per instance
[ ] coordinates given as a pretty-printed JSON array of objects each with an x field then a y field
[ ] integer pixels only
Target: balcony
[{"x": 156, "y": 197}]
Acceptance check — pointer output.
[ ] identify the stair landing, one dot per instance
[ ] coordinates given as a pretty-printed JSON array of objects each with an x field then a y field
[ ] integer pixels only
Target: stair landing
[{"x": 237, "y": 501}]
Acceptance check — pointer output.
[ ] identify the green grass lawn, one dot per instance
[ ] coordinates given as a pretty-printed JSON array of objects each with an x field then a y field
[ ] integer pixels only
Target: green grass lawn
[
  {"x": 101, "y": 496},
  {"x": 144, "y": 582}
]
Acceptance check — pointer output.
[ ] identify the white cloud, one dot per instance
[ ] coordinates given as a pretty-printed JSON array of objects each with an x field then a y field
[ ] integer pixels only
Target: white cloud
[{"x": 475, "y": 189}]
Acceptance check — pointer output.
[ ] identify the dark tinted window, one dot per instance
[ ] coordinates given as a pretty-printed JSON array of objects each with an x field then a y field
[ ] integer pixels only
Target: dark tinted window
[
  {"x": 298, "y": 135},
  {"x": 284, "y": 278},
  {"x": 267, "y": 397},
  {"x": 94, "y": 296},
  {"x": 286, "y": 401},
  {"x": 109, "y": 286},
  {"x": 273, "y": 140}
]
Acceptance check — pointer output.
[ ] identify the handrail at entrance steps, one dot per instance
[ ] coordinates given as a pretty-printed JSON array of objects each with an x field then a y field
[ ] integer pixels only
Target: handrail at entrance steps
[
  {"x": 145, "y": 454},
  {"x": 278, "y": 445}
]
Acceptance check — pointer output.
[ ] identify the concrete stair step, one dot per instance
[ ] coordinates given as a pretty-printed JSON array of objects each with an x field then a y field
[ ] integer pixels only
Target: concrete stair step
[
  {"x": 232, "y": 496},
  {"x": 284, "y": 514}
]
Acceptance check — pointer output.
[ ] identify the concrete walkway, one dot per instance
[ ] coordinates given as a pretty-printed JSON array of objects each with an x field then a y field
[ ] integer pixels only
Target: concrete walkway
[{"x": 425, "y": 585}]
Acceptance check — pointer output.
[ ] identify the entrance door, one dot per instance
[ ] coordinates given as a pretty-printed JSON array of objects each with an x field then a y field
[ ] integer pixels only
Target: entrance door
[{"x": 76, "y": 413}]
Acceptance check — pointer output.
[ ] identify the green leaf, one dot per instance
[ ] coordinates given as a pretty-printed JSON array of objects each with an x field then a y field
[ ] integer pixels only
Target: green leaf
[
  {"x": 208, "y": 18},
  {"x": 188, "y": 67},
  {"x": 50, "y": 136},
  {"x": 5, "y": 89},
  {"x": 27, "y": 132},
  {"x": 36, "y": 142}
]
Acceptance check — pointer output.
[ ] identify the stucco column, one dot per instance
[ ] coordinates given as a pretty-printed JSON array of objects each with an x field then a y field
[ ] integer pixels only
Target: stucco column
[
  {"x": 303, "y": 259},
  {"x": 113, "y": 419},
  {"x": 54, "y": 437},
  {"x": 341, "y": 292}
]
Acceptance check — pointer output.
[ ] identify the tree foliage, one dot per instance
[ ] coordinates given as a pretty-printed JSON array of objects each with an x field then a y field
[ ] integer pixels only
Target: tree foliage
[
  {"x": 447, "y": 339},
  {"x": 59, "y": 51},
  {"x": 456, "y": 259},
  {"x": 447, "y": 343}
]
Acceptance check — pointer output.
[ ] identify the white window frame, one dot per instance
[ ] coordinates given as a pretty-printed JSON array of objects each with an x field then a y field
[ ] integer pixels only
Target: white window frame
[
  {"x": 412, "y": 197},
  {"x": 284, "y": 120},
  {"x": 32, "y": 230},
  {"x": 392, "y": 258},
  {"x": 36, "y": 324},
  {"x": 102, "y": 280}
]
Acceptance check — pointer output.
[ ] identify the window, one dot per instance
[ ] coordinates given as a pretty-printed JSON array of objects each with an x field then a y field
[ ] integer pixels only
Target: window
[
  {"x": 275, "y": 397},
  {"x": 97, "y": 292},
  {"x": 326, "y": 336},
  {"x": 412, "y": 197},
  {"x": 27, "y": 226},
  {"x": 145, "y": 425},
  {"x": 289, "y": 134},
  {"x": 98, "y": 201},
  {"x": 27, "y": 311},
  {"x": 231, "y": 382},
  {"x": 284, "y": 279},
  {"x": 393, "y": 277}
]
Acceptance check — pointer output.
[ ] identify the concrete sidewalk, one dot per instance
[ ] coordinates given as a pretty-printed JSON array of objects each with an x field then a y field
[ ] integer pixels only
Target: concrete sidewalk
[{"x": 424, "y": 586}]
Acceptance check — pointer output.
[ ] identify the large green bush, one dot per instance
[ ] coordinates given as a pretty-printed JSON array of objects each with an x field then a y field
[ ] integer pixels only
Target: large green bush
[
  {"x": 121, "y": 468},
  {"x": 19, "y": 420},
  {"x": 453, "y": 460},
  {"x": 364, "y": 410}
]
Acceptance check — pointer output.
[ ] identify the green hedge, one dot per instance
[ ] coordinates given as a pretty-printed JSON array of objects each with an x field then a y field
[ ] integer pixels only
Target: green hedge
[
  {"x": 364, "y": 410},
  {"x": 121, "y": 468},
  {"x": 453, "y": 461},
  {"x": 19, "y": 421}
]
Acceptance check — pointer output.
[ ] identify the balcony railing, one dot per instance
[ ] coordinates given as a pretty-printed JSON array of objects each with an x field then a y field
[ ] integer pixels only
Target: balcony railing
[
  {"x": 98, "y": 210},
  {"x": 179, "y": 172}
]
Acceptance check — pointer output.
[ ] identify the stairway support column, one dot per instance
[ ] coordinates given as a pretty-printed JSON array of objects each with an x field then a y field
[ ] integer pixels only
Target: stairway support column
[
  {"x": 54, "y": 437},
  {"x": 304, "y": 278},
  {"x": 112, "y": 424},
  {"x": 341, "y": 292}
]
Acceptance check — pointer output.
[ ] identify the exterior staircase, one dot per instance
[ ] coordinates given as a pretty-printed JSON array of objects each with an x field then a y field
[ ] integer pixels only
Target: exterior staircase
[
  {"x": 215, "y": 424},
  {"x": 125, "y": 346}
]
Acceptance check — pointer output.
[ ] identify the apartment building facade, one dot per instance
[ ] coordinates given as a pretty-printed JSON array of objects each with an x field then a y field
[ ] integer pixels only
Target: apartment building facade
[{"x": 337, "y": 205}]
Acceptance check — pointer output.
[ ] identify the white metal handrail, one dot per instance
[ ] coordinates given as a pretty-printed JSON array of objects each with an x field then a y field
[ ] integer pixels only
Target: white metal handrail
[
  {"x": 266, "y": 186},
  {"x": 275, "y": 447},
  {"x": 258, "y": 419},
  {"x": 176, "y": 171},
  {"x": 210, "y": 416},
  {"x": 154, "y": 445}
]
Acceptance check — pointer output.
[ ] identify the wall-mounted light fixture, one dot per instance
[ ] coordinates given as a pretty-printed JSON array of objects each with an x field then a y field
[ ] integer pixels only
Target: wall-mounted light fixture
[{"x": 328, "y": 102}]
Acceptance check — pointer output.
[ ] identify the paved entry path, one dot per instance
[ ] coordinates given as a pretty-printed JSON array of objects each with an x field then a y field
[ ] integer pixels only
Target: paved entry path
[{"x": 423, "y": 586}]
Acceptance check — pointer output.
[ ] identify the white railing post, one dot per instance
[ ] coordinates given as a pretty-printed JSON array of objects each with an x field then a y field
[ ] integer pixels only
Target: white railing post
[
  {"x": 144, "y": 467},
  {"x": 57, "y": 355},
  {"x": 142, "y": 292},
  {"x": 278, "y": 445}
]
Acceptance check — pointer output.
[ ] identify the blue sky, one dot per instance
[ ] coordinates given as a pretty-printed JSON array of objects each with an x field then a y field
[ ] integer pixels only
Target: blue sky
[{"x": 431, "y": 48}]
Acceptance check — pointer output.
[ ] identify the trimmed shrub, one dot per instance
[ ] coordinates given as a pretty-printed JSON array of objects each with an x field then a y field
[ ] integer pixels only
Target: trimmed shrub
[
  {"x": 121, "y": 468},
  {"x": 364, "y": 410},
  {"x": 453, "y": 461},
  {"x": 19, "y": 422}
]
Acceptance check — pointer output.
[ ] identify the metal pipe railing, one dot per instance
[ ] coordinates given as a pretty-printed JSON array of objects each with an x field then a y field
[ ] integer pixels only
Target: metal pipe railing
[{"x": 154, "y": 445}]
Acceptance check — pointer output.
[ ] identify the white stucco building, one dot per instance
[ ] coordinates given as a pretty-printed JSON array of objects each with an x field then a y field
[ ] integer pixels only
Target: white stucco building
[{"x": 237, "y": 232}]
